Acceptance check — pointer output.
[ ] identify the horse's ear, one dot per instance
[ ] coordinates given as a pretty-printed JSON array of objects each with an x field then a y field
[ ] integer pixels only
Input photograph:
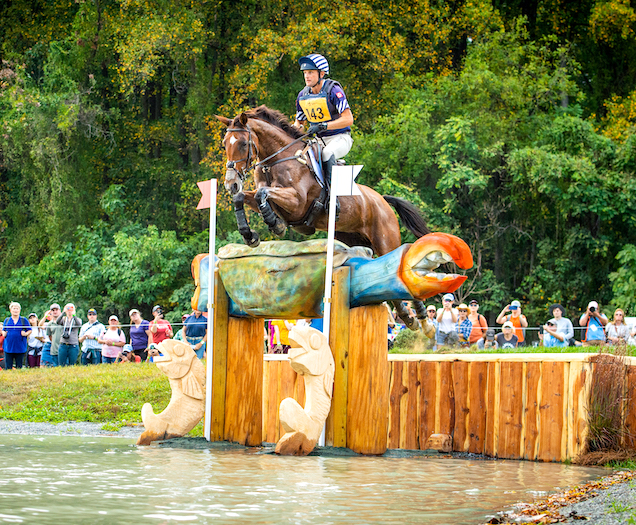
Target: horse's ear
[
  {"x": 225, "y": 120},
  {"x": 243, "y": 119}
]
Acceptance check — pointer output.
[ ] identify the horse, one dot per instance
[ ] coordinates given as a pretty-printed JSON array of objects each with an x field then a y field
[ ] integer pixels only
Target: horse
[{"x": 287, "y": 193}]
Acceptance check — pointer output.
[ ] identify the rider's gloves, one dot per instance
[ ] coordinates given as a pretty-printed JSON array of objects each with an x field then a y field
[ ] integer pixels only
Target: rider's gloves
[{"x": 316, "y": 128}]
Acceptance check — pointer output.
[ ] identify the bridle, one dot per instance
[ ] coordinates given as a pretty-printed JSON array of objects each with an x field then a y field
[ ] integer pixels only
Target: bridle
[{"x": 249, "y": 166}]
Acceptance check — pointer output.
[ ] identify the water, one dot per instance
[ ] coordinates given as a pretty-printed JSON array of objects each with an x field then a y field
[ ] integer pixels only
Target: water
[{"x": 60, "y": 479}]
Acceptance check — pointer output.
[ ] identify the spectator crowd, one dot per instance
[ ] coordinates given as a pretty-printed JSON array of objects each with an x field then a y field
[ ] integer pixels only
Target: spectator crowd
[
  {"x": 61, "y": 338},
  {"x": 463, "y": 326}
]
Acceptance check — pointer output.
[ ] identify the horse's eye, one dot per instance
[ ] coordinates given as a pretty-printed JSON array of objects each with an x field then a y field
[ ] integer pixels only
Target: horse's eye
[{"x": 242, "y": 144}]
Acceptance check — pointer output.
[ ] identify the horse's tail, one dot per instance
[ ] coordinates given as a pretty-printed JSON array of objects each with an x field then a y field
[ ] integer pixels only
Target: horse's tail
[{"x": 409, "y": 215}]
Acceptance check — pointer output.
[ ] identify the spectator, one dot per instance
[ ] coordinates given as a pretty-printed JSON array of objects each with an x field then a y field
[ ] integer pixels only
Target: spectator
[
  {"x": 594, "y": 322},
  {"x": 464, "y": 326},
  {"x": 281, "y": 328},
  {"x": 196, "y": 331},
  {"x": 35, "y": 342},
  {"x": 88, "y": 336},
  {"x": 552, "y": 336},
  {"x": 179, "y": 336},
  {"x": 617, "y": 331},
  {"x": 15, "y": 329},
  {"x": 140, "y": 334},
  {"x": 431, "y": 318},
  {"x": 127, "y": 355},
  {"x": 447, "y": 321},
  {"x": 112, "y": 340},
  {"x": 563, "y": 324},
  {"x": 480, "y": 325},
  {"x": 68, "y": 351},
  {"x": 518, "y": 320},
  {"x": 160, "y": 328},
  {"x": 507, "y": 339},
  {"x": 53, "y": 334},
  {"x": 488, "y": 341}
]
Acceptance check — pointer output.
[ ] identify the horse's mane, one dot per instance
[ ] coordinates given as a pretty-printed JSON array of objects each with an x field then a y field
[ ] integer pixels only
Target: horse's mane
[{"x": 276, "y": 118}]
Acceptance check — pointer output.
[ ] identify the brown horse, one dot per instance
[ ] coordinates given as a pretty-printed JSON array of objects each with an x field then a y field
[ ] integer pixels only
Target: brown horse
[{"x": 286, "y": 191}]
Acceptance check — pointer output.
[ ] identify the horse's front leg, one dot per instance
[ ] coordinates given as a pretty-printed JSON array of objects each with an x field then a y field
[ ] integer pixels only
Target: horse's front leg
[
  {"x": 250, "y": 237},
  {"x": 275, "y": 224}
]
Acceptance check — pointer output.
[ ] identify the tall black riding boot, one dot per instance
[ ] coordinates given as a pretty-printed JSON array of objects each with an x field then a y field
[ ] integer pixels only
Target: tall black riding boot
[{"x": 328, "y": 166}]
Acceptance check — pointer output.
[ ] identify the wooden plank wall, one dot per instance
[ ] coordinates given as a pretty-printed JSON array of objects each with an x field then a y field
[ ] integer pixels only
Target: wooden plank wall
[{"x": 532, "y": 409}]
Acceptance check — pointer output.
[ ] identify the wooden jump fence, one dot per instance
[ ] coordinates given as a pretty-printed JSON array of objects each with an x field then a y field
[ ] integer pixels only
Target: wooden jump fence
[{"x": 513, "y": 406}]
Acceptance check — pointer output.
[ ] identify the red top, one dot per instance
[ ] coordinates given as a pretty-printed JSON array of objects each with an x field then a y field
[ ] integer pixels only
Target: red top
[{"x": 162, "y": 327}]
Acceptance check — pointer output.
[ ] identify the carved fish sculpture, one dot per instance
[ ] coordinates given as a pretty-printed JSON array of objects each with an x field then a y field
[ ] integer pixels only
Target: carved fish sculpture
[
  {"x": 187, "y": 403},
  {"x": 310, "y": 356}
]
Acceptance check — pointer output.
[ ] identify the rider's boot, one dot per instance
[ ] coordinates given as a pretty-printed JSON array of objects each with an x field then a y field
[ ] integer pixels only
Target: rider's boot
[{"x": 328, "y": 166}]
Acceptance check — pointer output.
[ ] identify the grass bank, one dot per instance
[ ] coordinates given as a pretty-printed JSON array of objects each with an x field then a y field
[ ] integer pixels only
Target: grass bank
[{"x": 108, "y": 394}]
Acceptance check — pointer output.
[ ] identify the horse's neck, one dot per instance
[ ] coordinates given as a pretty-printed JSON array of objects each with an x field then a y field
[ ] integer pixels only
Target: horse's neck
[{"x": 270, "y": 138}]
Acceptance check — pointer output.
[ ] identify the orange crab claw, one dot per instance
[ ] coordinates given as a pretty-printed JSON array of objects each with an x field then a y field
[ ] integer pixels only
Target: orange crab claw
[{"x": 425, "y": 255}]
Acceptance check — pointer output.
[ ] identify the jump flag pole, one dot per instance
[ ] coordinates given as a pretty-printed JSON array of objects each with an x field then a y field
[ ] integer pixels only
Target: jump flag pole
[
  {"x": 343, "y": 184},
  {"x": 208, "y": 200}
]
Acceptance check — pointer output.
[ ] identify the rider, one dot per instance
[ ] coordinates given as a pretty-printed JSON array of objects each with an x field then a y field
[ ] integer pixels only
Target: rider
[{"x": 324, "y": 104}]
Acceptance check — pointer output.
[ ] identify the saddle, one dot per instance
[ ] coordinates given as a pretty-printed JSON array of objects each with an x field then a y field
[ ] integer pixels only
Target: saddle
[{"x": 310, "y": 155}]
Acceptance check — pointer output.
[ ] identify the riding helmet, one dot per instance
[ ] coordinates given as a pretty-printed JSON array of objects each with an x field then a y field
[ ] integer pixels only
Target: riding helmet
[{"x": 314, "y": 61}]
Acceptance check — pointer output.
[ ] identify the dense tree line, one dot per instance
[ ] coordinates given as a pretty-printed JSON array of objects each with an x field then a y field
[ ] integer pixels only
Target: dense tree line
[{"x": 510, "y": 124}]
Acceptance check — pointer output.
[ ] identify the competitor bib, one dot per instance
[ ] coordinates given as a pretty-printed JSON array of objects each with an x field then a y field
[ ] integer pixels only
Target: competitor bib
[{"x": 315, "y": 108}]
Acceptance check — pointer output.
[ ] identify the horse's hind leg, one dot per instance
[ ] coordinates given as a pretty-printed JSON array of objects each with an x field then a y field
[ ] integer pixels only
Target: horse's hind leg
[
  {"x": 275, "y": 224},
  {"x": 412, "y": 323}
]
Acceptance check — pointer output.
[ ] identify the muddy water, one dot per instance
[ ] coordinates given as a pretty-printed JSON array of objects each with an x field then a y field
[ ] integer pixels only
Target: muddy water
[{"x": 59, "y": 479}]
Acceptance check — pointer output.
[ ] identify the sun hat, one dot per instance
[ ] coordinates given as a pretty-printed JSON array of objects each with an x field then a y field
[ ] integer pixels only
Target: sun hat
[
  {"x": 134, "y": 311},
  {"x": 32, "y": 314},
  {"x": 462, "y": 307},
  {"x": 508, "y": 324}
]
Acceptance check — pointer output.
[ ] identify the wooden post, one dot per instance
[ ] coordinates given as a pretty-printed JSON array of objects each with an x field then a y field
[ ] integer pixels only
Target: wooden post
[
  {"x": 221, "y": 317},
  {"x": 368, "y": 389},
  {"x": 244, "y": 386},
  {"x": 336, "y": 434}
]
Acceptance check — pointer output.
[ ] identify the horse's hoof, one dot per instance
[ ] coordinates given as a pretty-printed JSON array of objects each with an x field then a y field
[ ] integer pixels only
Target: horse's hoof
[
  {"x": 412, "y": 323},
  {"x": 279, "y": 229},
  {"x": 254, "y": 241}
]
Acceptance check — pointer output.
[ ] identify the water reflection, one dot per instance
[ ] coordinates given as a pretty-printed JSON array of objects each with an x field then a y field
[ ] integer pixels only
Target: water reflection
[{"x": 51, "y": 479}]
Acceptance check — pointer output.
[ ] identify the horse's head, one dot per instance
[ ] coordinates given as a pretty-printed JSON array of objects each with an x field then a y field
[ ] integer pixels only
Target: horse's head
[{"x": 241, "y": 148}]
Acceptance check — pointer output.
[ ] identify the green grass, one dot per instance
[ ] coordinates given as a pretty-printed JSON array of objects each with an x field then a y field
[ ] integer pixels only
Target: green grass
[{"x": 109, "y": 394}]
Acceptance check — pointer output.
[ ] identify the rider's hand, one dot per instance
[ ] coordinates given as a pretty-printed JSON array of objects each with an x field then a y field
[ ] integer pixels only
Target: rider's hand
[{"x": 316, "y": 128}]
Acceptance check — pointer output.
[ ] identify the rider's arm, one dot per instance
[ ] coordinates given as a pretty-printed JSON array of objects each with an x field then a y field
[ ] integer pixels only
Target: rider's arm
[{"x": 344, "y": 120}]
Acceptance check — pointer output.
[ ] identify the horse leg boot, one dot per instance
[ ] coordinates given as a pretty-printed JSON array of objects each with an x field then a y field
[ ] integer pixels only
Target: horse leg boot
[
  {"x": 412, "y": 323},
  {"x": 250, "y": 237},
  {"x": 420, "y": 309},
  {"x": 273, "y": 221}
]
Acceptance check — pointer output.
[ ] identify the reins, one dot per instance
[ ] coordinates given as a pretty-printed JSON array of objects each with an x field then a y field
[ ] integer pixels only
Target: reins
[{"x": 248, "y": 165}]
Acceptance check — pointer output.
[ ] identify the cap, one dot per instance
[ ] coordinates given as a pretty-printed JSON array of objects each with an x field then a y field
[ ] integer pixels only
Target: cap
[
  {"x": 113, "y": 317},
  {"x": 592, "y": 304},
  {"x": 431, "y": 307},
  {"x": 515, "y": 303},
  {"x": 185, "y": 316},
  {"x": 134, "y": 311},
  {"x": 490, "y": 334},
  {"x": 55, "y": 305},
  {"x": 462, "y": 307},
  {"x": 474, "y": 301},
  {"x": 448, "y": 297},
  {"x": 155, "y": 308},
  {"x": 508, "y": 324},
  {"x": 127, "y": 348},
  {"x": 153, "y": 346},
  {"x": 92, "y": 311},
  {"x": 32, "y": 315},
  {"x": 551, "y": 322}
]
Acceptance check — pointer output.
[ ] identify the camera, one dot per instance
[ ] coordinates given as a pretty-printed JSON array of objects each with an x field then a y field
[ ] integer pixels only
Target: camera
[
  {"x": 66, "y": 334},
  {"x": 541, "y": 329},
  {"x": 592, "y": 309}
]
